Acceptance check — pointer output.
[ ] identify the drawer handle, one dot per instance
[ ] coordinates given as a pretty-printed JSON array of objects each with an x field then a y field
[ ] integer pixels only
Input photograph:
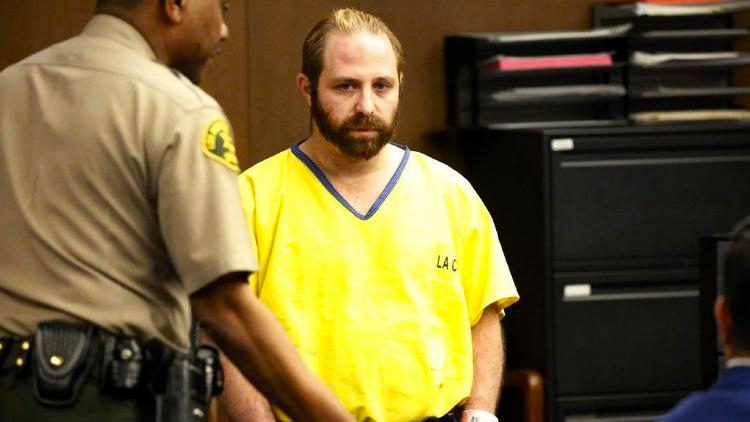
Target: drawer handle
[
  {"x": 653, "y": 161},
  {"x": 584, "y": 293}
]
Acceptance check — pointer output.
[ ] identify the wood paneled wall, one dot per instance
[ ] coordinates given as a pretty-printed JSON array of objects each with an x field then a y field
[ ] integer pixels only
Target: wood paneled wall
[{"x": 253, "y": 79}]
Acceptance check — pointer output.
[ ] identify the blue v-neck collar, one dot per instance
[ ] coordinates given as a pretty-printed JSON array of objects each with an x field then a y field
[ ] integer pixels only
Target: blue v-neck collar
[{"x": 329, "y": 187}]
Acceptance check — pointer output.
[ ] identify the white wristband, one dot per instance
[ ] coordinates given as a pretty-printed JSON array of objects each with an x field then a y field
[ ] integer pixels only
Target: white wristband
[{"x": 480, "y": 416}]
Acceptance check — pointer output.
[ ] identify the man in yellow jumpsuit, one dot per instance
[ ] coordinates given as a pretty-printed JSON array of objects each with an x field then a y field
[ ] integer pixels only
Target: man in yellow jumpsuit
[{"x": 382, "y": 264}]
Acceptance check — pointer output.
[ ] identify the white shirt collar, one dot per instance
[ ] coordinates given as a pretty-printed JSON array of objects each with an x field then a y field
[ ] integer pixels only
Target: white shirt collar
[{"x": 743, "y": 361}]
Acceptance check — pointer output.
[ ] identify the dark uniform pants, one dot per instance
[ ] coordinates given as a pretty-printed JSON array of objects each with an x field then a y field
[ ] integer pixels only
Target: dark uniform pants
[
  {"x": 17, "y": 404},
  {"x": 76, "y": 372}
]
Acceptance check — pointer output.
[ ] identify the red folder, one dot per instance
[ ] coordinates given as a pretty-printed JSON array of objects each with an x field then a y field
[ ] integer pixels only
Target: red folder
[
  {"x": 510, "y": 63},
  {"x": 673, "y": 2}
]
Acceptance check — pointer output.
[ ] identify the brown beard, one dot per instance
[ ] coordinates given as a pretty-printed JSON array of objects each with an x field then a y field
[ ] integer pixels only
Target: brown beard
[{"x": 359, "y": 147}]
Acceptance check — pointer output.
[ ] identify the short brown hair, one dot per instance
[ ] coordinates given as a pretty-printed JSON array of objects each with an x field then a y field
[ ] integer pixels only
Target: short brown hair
[{"x": 347, "y": 21}]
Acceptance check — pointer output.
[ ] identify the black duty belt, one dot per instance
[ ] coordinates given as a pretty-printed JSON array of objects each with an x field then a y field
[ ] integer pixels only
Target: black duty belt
[{"x": 62, "y": 356}]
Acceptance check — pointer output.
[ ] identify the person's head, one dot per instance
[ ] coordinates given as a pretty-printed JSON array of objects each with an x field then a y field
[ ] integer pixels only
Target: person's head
[
  {"x": 351, "y": 78},
  {"x": 185, "y": 34},
  {"x": 733, "y": 307}
]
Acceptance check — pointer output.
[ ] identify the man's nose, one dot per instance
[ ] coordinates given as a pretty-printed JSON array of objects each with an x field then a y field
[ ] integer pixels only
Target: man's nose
[{"x": 366, "y": 103}]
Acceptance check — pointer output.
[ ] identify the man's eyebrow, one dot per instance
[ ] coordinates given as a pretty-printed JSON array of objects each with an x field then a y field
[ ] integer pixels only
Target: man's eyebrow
[
  {"x": 385, "y": 79},
  {"x": 338, "y": 80}
]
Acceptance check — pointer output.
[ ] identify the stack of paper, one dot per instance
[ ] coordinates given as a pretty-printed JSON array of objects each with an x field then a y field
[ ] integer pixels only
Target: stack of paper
[
  {"x": 557, "y": 124},
  {"x": 676, "y": 91},
  {"x": 652, "y": 59},
  {"x": 689, "y": 115},
  {"x": 559, "y": 91},
  {"x": 605, "y": 32}
]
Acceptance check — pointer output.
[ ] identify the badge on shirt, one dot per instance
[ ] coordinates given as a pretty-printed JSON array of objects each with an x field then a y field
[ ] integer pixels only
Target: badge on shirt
[{"x": 218, "y": 145}]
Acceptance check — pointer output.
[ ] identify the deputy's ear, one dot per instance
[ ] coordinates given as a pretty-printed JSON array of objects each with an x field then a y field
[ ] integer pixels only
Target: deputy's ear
[
  {"x": 305, "y": 87},
  {"x": 173, "y": 9}
]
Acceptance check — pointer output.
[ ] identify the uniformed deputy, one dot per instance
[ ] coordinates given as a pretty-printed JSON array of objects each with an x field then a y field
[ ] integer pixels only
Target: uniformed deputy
[{"x": 120, "y": 210}]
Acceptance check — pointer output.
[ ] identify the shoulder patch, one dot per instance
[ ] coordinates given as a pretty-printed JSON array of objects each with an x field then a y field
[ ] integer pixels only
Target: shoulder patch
[{"x": 218, "y": 145}]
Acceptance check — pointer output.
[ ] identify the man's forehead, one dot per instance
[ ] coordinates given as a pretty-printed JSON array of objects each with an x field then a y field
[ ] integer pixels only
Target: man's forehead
[{"x": 341, "y": 46}]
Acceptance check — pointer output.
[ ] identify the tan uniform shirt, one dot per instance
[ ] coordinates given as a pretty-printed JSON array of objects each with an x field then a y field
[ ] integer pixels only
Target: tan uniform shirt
[{"x": 118, "y": 189}]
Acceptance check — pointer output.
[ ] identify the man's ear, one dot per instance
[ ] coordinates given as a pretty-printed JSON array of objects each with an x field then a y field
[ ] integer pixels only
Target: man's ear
[
  {"x": 305, "y": 87},
  {"x": 173, "y": 9},
  {"x": 723, "y": 321}
]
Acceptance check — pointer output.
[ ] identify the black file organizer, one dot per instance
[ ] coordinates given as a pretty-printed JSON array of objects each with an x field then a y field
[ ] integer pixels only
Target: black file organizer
[
  {"x": 470, "y": 87},
  {"x": 690, "y": 85},
  {"x": 600, "y": 227}
]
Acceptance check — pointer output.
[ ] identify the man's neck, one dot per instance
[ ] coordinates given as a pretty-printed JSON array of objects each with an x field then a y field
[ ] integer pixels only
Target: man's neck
[
  {"x": 360, "y": 182},
  {"x": 337, "y": 165}
]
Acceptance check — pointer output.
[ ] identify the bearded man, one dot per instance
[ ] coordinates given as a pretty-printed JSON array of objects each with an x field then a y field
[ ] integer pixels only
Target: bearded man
[{"x": 382, "y": 264}]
